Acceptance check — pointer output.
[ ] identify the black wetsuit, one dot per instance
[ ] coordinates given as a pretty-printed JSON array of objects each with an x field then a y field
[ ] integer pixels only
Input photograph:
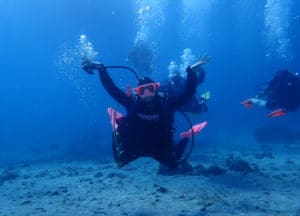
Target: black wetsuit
[
  {"x": 176, "y": 86},
  {"x": 283, "y": 91},
  {"x": 147, "y": 129}
]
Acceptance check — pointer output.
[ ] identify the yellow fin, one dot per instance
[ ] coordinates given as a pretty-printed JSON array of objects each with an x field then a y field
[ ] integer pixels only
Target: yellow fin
[
  {"x": 206, "y": 95},
  {"x": 194, "y": 115}
]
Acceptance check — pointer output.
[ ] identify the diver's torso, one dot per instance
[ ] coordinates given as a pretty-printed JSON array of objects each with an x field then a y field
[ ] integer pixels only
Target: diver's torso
[
  {"x": 148, "y": 124},
  {"x": 285, "y": 92},
  {"x": 151, "y": 116}
]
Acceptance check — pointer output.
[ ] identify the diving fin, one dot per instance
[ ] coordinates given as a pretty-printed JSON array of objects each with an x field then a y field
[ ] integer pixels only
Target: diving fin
[
  {"x": 196, "y": 129},
  {"x": 114, "y": 115},
  {"x": 206, "y": 95},
  {"x": 277, "y": 113},
  {"x": 247, "y": 103}
]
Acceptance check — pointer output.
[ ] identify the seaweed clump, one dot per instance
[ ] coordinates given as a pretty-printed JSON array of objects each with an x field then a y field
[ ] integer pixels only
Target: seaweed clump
[{"x": 239, "y": 165}]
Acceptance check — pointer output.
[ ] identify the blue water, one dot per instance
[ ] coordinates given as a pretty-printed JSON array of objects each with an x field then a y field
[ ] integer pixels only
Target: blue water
[{"x": 50, "y": 105}]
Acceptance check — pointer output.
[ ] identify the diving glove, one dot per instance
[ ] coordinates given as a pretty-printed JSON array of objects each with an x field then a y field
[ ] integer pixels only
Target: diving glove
[{"x": 89, "y": 66}]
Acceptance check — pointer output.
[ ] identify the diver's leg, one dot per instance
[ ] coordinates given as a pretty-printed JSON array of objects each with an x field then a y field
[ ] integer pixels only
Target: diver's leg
[
  {"x": 164, "y": 153},
  {"x": 121, "y": 153},
  {"x": 116, "y": 147},
  {"x": 174, "y": 164},
  {"x": 180, "y": 147}
]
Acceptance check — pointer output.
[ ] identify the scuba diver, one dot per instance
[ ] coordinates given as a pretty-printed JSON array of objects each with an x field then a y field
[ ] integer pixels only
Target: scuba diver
[
  {"x": 142, "y": 57},
  {"x": 176, "y": 84},
  {"x": 147, "y": 128},
  {"x": 282, "y": 93}
]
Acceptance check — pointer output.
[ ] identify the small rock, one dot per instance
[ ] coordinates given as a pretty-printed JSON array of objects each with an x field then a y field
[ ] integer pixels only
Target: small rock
[
  {"x": 8, "y": 175},
  {"x": 90, "y": 169},
  {"x": 118, "y": 175},
  {"x": 26, "y": 202},
  {"x": 64, "y": 190},
  {"x": 41, "y": 209},
  {"x": 98, "y": 175},
  {"x": 85, "y": 179},
  {"x": 162, "y": 190},
  {"x": 215, "y": 171},
  {"x": 264, "y": 155},
  {"x": 42, "y": 174},
  {"x": 290, "y": 161},
  {"x": 26, "y": 176},
  {"x": 185, "y": 169},
  {"x": 55, "y": 193},
  {"x": 239, "y": 165}
]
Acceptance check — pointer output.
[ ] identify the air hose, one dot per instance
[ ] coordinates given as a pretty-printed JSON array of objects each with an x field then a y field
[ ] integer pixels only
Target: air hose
[{"x": 124, "y": 67}]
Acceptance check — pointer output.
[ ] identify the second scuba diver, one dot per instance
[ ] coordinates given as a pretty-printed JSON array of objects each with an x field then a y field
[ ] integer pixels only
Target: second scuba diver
[
  {"x": 176, "y": 84},
  {"x": 147, "y": 128},
  {"x": 282, "y": 93}
]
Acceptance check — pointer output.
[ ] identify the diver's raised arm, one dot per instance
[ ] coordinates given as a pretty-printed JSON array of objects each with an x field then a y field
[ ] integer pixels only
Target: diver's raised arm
[
  {"x": 107, "y": 82},
  {"x": 203, "y": 60},
  {"x": 191, "y": 81},
  {"x": 189, "y": 89}
]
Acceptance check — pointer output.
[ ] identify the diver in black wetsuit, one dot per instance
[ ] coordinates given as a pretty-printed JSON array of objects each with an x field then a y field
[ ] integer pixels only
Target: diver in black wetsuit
[
  {"x": 147, "y": 129},
  {"x": 176, "y": 84},
  {"x": 281, "y": 92},
  {"x": 142, "y": 57}
]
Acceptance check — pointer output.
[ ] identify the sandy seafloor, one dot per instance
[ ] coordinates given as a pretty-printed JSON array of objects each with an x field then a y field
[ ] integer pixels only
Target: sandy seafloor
[{"x": 90, "y": 188}]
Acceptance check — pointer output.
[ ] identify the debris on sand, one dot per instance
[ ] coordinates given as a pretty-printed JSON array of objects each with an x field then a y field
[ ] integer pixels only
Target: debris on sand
[
  {"x": 239, "y": 165},
  {"x": 8, "y": 175}
]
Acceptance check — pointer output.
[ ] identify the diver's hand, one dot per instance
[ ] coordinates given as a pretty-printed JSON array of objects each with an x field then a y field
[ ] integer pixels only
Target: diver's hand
[
  {"x": 203, "y": 60},
  {"x": 89, "y": 66}
]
